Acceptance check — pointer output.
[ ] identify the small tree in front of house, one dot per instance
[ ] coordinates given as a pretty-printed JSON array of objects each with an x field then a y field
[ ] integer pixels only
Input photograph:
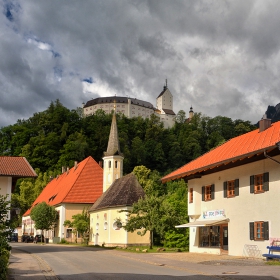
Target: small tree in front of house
[
  {"x": 44, "y": 216},
  {"x": 80, "y": 224}
]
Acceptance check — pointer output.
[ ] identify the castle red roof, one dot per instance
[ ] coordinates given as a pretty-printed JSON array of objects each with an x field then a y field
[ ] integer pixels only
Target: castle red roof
[
  {"x": 16, "y": 167},
  {"x": 80, "y": 184},
  {"x": 241, "y": 148}
]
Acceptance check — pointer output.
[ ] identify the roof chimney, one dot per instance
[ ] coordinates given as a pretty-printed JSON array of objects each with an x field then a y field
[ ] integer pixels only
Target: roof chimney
[
  {"x": 62, "y": 169},
  {"x": 264, "y": 123},
  {"x": 75, "y": 165}
]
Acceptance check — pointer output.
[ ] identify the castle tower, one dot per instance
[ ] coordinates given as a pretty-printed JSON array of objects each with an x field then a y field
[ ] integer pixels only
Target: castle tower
[
  {"x": 113, "y": 158},
  {"x": 191, "y": 113}
]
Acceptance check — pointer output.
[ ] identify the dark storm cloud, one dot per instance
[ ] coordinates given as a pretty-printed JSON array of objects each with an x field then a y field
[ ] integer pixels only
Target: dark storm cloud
[{"x": 221, "y": 57}]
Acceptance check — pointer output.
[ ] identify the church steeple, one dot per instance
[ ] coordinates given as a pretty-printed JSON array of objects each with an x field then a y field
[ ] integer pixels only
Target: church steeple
[
  {"x": 113, "y": 147},
  {"x": 113, "y": 158}
]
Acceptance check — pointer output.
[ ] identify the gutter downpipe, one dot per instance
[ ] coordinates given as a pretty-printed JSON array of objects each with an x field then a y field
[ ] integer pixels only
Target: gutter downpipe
[{"x": 267, "y": 156}]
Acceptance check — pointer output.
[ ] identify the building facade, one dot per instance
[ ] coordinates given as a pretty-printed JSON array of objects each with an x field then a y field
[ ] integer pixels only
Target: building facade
[
  {"x": 108, "y": 213},
  {"x": 132, "y": 107},
  {"x": 234, "y": 194}
]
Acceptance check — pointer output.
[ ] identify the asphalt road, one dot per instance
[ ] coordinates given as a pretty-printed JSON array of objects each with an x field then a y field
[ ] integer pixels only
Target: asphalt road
[{"x": 92, "y": 263}]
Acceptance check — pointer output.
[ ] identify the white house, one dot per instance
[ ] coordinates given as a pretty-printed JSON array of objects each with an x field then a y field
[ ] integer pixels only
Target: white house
[
  {"x": 11, "y": 169},
  {"x": 234, "y": 194}
]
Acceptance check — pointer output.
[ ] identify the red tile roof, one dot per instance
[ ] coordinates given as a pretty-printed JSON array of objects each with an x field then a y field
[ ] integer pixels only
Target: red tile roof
[
  {"x": 242, "y": 146},
  {"x": 83, "y": 184},
  {"x": 16, "y": 167}
]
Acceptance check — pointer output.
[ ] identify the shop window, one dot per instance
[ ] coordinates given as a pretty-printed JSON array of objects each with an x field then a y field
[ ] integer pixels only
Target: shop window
[
  {"x": 209, "y": 236},
  {"x": 191, "y": 195},
  {"x": 259, "y": 183},
  {"x": 208, "y": 192},
  {"x": 259, "y": 230},
  {"x": 231, "y": 188}
]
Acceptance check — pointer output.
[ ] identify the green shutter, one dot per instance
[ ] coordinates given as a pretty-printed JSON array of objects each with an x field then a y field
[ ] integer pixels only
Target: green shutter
[
  {"x": 252, "y": 184},
  {"x": 236, "y": 187},
  {"x": 225, "y": 189},
  {"x": 203, "y": 193},
  {"x": 251, "y": 227},
  {"x": 213, "y": 191},
  {"x": 266, "y": 181},
  {"x": 265, "y": 231}
]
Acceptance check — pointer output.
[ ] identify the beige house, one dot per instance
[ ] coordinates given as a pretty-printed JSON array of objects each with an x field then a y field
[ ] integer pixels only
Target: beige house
[
  {"x": 70, "y": 193},
  {"x": 132, "y": 107},
  {"x": 234, "y": 194},
  {"x": 119, "y": 194}
]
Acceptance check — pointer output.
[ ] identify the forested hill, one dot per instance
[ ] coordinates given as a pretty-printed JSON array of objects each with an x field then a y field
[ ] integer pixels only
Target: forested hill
[
  {"x": 58, "y": 136},
  {"x": 273, "y": 113}
]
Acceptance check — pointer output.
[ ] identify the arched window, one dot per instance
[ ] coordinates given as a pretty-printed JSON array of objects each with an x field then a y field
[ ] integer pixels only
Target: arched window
[
  {"x": 109, "y": 164},
  {"x": 116, "y": 164}
]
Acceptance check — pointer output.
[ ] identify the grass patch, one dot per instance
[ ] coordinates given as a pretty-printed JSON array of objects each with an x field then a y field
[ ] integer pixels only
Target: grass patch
[
  {"x": 273, "y": 262},
  {"x": 145, "y": 249}
]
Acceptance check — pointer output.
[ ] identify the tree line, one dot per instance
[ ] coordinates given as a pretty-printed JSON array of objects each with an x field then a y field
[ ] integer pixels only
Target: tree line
[{"x": 58, "y": 137}]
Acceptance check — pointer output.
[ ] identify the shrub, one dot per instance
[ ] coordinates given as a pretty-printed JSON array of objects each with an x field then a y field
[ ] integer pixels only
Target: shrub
[{"x": 63, "y": 241}]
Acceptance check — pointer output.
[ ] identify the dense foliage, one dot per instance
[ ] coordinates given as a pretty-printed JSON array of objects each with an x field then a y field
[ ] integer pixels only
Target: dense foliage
[
  {"x": 58, "y": 137},
  {"x": 6, "y": 229}
]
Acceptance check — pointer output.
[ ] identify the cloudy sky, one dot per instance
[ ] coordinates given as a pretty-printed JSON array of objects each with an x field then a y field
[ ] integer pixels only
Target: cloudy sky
[{"x": 221, "y": 57}]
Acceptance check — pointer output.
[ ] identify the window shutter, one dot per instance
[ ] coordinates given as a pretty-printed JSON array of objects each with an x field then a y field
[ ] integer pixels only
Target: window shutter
[
  {"x": 251, "y": 226},
  {"x": 212, "y": 191},
  {"x": 236, "y": 187},
  {"x": 265, "y": 231},
  {"x": 203, "y": 193},
  {"x": 225, "y": 189},
  {"x": 266, "y": 181},
  {"x": 252, "y": 184}
]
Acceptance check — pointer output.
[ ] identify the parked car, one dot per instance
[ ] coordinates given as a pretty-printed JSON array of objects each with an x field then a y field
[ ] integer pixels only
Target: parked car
[
  {"x": 27, "y": 238},
  {"x": 13, "y": 237},
  {"x": 39, "y": 238}
]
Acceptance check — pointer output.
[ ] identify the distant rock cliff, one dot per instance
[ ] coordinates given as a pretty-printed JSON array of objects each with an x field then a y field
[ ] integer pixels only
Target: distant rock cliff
[{"x": 273, "y": 113}]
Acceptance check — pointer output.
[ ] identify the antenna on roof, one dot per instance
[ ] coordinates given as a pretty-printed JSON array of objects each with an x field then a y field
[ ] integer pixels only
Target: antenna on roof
[{"x": 166, "y": 83}]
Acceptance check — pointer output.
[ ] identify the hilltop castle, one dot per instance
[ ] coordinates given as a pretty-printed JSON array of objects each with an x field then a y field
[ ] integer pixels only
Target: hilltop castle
[{"x": 132, "y": 107}]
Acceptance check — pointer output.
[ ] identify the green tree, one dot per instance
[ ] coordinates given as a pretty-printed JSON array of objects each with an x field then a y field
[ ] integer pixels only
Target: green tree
[
  {"x": 6, "y": 229},
  {"x": 44, "y": 216},
  {"x": 80, "y": 224}
]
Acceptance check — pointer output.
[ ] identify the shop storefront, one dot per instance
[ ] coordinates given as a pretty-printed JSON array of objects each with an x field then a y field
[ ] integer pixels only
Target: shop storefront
[{"x": 209, "y": 231}]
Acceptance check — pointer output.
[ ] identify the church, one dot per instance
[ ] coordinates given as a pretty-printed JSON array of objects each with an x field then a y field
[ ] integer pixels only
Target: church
[{"x": 119, "y": 194}]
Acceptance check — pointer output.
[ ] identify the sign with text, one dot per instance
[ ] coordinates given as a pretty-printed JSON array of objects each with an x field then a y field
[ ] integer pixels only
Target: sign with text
[{"x": 214, "y": 214}]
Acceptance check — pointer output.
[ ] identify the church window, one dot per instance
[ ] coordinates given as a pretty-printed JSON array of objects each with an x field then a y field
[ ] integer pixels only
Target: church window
[
  {"x": 116, "y": 164},
  {"x": 105, "y": 225},
  {"x": 97, "y": 226},
  {"x": 109, "y": 164}
]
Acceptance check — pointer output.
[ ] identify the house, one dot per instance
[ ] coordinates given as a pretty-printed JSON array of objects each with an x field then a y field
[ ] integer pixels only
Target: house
[
  {"x": 119, "y": 194},
  {"x": 132, "y": 107},
  {"x": 12, "y": 169},
  {"x": 70, "y": 193},
  {"x": 234, "y": 194}
]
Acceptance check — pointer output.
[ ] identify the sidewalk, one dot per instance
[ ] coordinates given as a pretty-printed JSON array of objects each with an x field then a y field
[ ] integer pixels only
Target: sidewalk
[{"x": 28, "y": 266}]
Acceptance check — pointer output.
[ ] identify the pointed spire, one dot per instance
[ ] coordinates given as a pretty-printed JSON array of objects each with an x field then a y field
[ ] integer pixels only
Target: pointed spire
[{"x": 113, "y": 147}]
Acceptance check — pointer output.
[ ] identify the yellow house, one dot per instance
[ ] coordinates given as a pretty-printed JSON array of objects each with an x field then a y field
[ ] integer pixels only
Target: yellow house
[{"x": 119, "y": 193}]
